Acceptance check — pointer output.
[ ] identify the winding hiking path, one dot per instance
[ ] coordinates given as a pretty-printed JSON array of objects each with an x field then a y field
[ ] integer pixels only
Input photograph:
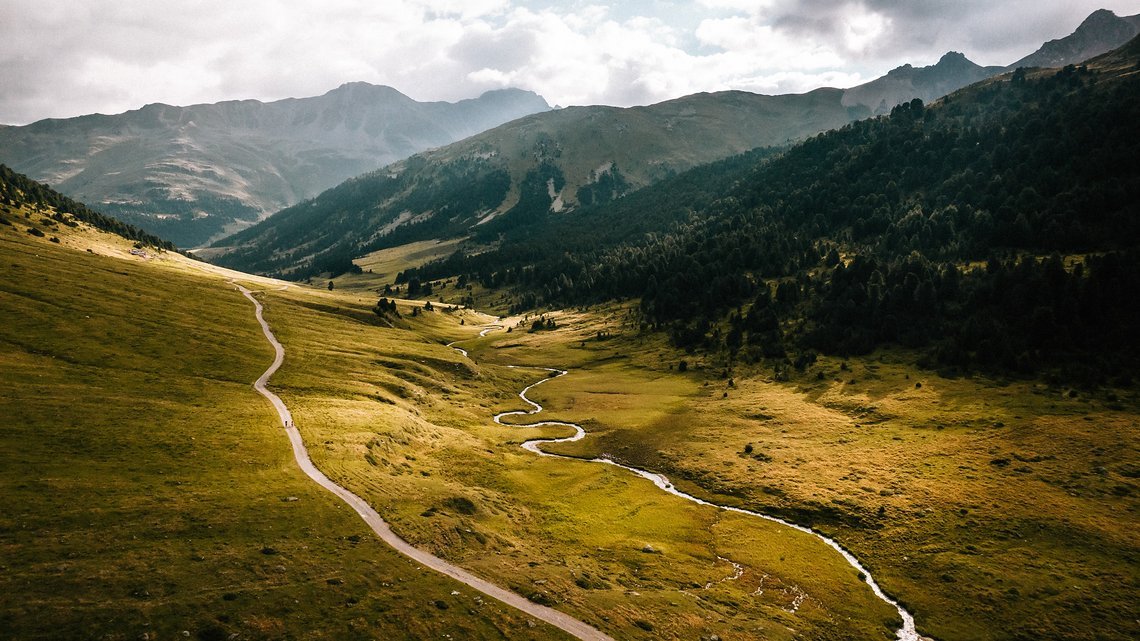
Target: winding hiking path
[
  {"x": 905, "y": 633},
  {"x": 558, "y": 619}
]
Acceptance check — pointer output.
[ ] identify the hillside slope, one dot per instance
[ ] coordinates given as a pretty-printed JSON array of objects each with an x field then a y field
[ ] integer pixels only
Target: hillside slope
[
  {"x": 193, "y": 173},
  {"x": 549, "y": 162},
  {"x": 147, "y": 491},
  {"x": 952, "y": 72},
  {"x": 24, "y": 198},
  {"x": 1100, "y": 33},
  {"x": 1007, "y": 171}
]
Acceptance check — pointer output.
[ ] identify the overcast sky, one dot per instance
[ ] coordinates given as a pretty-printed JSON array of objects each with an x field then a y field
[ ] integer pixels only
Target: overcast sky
[{"x": 61, "y": 58}]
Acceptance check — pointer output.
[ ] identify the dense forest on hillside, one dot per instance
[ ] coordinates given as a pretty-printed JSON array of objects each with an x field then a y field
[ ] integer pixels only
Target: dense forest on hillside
[
  {"x": 19, "y": 189},
  {"x": 997, "y": 229}
]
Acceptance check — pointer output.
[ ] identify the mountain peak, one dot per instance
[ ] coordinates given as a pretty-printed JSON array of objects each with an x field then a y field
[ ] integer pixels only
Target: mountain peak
[
  {"x": 360, "y": 88},
  {"x": 1099, "y": 18},
  {"x": 952, "y": 57},
  {"x": 955, "y": 62},
  {"x": 1100, "y": 32}
]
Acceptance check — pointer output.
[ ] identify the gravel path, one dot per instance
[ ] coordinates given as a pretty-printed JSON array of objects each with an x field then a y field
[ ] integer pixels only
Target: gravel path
[{"x": 558, "y": 619}]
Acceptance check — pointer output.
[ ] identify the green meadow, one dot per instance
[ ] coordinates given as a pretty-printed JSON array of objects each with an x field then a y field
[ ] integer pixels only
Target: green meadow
[
  {"x": 993, "y": 509},
  {"x": 148, "y": 491},
  {"x": 153, "y": 493},
  {"x": 404, "y": 421}
]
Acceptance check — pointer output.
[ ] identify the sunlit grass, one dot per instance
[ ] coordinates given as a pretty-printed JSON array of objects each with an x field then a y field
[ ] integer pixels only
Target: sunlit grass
[
  {"x": 986, "y": 506},
  {"x": 147, "y": 489},
  {"x": 150, "y": 477}
]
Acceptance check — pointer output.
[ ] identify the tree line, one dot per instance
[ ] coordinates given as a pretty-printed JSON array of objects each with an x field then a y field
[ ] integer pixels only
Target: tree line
[
  {"x": 17, "y": 189},
  {"x": 996, "y": 229}
]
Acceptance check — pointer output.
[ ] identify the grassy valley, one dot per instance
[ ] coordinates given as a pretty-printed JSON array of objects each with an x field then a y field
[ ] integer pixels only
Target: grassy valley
[
  {"x": 150, "y": 491},
  {"x": 157, "y": 495},
  {"x": 994, "y": 509},
  {"x": 939, "y": 376},
  {"x": 912, "y": 334}
]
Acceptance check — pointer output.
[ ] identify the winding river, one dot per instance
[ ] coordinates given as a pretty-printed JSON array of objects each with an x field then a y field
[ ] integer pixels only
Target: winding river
[{"x": 905, "y": 633}]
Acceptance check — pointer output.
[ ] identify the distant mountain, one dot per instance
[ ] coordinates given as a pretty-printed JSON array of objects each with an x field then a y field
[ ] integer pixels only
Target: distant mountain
[
  {"x": 1100, "y": 33},
  {"x": 563, "y": 160},
  {"x": 552, "y": 162},
  {"x": 193, "y": 173},
  {"x": 906, "y": 83}
]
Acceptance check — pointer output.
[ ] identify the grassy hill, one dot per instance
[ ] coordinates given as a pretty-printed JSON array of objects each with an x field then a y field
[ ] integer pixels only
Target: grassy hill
[{"x": 146, "y": 488}]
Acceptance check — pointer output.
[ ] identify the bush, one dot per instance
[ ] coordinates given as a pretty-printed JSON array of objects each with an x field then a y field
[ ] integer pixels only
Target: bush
[{"x": 460, "y": 504}]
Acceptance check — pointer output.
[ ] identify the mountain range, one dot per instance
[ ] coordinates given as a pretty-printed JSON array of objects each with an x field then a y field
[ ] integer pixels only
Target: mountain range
[
  {"x": 200, "y": 173},
  {"x": 866, "y": 234},
  {"x": 561, "y": 160},
  {"x": 554, "y": 161},
  {"x": 197, "y": 172}
]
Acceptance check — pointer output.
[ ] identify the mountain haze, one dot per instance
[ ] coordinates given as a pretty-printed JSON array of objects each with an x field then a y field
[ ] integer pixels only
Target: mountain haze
[
  {"x": 906, "y": 83},
  {"x": 191, "y": 173}
]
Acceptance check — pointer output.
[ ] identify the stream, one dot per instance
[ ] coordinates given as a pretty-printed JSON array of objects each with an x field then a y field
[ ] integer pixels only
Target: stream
[{"x": 905, "y": 633}]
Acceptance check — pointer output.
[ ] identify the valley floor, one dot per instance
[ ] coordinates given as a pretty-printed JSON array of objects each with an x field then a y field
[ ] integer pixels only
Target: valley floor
[{"x": 148, "y": 490}]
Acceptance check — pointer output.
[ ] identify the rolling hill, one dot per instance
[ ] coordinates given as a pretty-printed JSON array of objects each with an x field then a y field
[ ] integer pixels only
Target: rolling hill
[{"x": 198, "y": 172}]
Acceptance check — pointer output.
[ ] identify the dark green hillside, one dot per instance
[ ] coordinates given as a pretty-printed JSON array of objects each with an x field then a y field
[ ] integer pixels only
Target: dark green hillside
[
  {"x": 985, "y": 230},
  {"x": 19, "y": 189},
  {"x": 548, "y": 165}
]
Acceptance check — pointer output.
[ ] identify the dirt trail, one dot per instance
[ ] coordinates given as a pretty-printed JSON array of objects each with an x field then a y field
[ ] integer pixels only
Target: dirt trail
[{"x": 558, "y": 619}]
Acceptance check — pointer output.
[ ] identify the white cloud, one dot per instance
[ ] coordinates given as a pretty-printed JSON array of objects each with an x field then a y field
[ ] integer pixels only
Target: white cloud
[{"x": 68, "y": 57}]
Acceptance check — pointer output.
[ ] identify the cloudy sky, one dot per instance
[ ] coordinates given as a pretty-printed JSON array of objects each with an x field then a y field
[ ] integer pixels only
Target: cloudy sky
[{"x": 62, "y": 58}]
